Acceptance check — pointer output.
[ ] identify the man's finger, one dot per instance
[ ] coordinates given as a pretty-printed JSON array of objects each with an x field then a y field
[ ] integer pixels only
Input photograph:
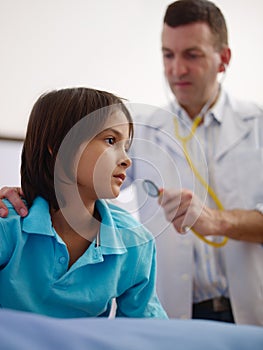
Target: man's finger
[{"x": 13, "y": 195}]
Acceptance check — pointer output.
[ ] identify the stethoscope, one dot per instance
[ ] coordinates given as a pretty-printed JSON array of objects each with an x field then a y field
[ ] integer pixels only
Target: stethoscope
[{"x": 153, "y": 191}]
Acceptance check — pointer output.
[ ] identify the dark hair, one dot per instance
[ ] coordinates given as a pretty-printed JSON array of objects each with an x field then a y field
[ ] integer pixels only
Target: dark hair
[
  {"x": 183, "y": 12},
  {"x": 53, "y": 116}
]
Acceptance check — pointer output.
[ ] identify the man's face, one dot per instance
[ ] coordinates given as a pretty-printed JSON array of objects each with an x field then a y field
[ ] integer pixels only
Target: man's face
[{"x": 191, "y": 63}]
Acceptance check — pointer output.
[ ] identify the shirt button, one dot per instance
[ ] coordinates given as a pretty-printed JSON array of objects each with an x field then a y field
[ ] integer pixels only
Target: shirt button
[{"x": 62, "y": 260}]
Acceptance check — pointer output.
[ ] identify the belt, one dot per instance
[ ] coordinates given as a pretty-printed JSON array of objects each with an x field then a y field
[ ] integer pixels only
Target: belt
[{"x": 219, "y": 304}]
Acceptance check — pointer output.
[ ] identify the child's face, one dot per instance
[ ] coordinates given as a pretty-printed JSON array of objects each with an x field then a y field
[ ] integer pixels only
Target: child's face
[{"x": 104, "y": 161}]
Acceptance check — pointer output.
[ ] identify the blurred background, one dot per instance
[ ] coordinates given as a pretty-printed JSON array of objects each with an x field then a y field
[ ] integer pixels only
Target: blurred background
[{"x": 111, "y": 45}]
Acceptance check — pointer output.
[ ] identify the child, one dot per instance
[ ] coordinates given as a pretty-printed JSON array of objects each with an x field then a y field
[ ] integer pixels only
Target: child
[{"x": 75, "y": 252}]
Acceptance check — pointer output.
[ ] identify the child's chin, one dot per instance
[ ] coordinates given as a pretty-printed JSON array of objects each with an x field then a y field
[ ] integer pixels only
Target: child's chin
[{"x": 114, "y": 194}]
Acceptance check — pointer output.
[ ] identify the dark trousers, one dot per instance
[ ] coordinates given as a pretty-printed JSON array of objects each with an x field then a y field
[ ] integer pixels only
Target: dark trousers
[{"x": 218, "y": 309}]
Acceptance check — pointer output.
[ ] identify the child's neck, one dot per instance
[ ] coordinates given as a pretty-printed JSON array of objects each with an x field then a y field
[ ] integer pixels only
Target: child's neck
[{"x": 79, "y": 233}]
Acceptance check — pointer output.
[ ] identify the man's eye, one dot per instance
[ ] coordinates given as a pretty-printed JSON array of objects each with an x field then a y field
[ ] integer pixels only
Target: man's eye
[
  {"x": 168, "y": 55},
  {"x": 193, "y": 55},
  {"x": 110, "y": 140}
]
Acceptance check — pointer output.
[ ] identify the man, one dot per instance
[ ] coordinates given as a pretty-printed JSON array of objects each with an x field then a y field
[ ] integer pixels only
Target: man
[
  {"x": 196, "y": 279},
  {"x": 193, "y": 277}
]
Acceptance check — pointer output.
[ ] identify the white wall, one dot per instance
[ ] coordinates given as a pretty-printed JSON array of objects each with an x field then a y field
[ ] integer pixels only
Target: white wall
[
  {"x": 10, "y": 163},
  {"x": 112, "y": 45}
]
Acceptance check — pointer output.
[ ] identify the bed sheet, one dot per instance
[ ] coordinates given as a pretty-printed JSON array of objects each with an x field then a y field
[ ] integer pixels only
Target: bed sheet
[{"x": 26, "y": 331}]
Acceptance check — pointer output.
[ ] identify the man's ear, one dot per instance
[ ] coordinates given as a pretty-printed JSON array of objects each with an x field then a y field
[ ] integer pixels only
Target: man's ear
[{"x": 225, "y": 57}]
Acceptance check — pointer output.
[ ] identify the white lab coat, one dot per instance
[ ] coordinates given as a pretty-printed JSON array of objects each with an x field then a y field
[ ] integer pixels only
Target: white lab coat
[{"x": 238, "y": 171}]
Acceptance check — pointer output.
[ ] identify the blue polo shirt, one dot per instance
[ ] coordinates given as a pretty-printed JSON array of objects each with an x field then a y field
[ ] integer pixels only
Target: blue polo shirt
[{"x": 34, "y": 274}]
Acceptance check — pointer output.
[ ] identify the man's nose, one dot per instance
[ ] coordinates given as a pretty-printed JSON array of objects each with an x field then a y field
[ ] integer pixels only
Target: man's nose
[{"x": 179, "y": 67}]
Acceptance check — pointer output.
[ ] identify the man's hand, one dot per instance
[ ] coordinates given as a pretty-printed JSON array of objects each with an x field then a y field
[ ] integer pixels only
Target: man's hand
[
  {"x": 185, "y": 210},
  {"x": 13, "y": 194}
]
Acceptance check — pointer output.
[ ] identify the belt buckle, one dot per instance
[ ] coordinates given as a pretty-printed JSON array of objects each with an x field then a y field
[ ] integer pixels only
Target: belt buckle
[{"x": 220, "y": 304}]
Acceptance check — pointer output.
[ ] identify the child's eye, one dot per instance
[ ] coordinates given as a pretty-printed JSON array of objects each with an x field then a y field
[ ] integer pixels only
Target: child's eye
[{"x": 110, "y": 140}]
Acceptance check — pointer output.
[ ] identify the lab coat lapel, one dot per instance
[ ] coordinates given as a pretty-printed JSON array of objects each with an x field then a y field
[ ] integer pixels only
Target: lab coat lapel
[{"x": 233, "y": 129}]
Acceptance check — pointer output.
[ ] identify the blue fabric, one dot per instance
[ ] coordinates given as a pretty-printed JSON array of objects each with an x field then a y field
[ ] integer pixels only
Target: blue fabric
[
  {"x": 34, "y": 273},
  {"x": 24, "y": 331}
]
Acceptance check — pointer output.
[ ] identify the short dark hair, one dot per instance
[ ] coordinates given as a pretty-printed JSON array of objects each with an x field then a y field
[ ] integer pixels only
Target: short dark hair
[
  {"x": 183, "y": 12},
  {"x": 53, "y": 115}
]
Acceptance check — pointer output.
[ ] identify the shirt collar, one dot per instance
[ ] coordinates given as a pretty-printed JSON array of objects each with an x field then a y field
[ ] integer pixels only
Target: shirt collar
[
  {"x": 215, "y": 113},
  {"x": 38, "y": 221},
  {"x": 110, "y": 234}
]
